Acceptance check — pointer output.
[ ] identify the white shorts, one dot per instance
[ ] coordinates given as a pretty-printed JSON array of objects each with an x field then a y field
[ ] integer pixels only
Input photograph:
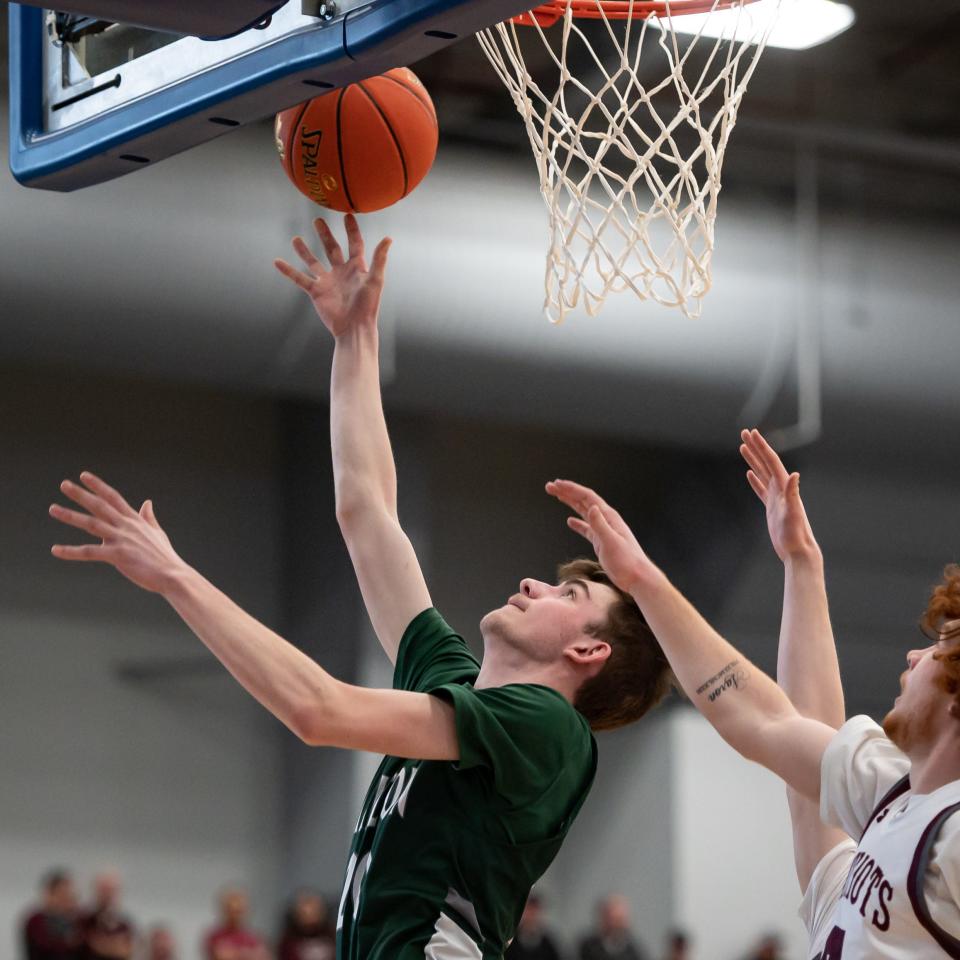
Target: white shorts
[{"x": 823, "y": 892}]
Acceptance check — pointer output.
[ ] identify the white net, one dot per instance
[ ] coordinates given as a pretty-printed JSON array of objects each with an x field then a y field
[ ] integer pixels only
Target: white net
[{"x": 629, "y": 121}]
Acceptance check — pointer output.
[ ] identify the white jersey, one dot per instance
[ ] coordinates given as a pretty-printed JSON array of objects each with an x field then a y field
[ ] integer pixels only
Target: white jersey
[{"x": 901, "y": 897}]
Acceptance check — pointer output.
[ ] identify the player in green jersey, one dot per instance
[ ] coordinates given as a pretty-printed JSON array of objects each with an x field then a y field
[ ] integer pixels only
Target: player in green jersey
[{"x": 486, "y": 764}]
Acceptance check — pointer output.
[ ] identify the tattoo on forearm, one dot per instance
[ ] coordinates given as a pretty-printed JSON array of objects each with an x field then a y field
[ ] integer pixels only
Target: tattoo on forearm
[{"x": 729, "y": 678}]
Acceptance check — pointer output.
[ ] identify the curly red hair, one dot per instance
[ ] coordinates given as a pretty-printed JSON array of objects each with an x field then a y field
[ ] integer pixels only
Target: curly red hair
[{"x": 942, "y": 607}]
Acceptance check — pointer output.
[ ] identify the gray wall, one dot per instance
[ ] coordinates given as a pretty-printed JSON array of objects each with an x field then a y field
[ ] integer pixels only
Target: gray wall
[{"x": 173, "y": 779}]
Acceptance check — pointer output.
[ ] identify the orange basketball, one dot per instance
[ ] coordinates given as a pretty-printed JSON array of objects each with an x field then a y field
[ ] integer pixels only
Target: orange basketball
[{"x": 362, "y": 147}]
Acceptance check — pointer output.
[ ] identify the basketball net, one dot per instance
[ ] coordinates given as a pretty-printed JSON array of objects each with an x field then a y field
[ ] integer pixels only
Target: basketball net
[{"x": 629, "y": 159}]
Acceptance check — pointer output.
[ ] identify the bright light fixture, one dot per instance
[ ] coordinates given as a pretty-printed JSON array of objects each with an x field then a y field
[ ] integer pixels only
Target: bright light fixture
[{"x": 798, "y": 24}]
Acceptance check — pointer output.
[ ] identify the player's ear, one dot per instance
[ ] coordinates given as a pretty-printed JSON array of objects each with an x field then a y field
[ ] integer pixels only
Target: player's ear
[{"x": 588, "y": 650}]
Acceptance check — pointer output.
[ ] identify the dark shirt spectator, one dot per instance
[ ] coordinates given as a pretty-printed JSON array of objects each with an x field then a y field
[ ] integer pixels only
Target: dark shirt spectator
[
  {"x": 232, "y": 939},
  {"x": 308, "y": 933},
  {"x": 107, "y": 933},
  {"x": 53, "y": 931},
  {"x": 612, "y": 940},
  {"x": 532, "y": 941}
]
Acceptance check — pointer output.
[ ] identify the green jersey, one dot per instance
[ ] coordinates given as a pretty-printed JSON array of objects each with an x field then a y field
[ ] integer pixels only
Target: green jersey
[{"x": 444, "y": 854}]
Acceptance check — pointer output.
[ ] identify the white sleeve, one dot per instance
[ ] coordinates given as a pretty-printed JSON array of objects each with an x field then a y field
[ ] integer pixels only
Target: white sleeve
[
  {"x": 858, "y": 767},
  {"x": 941, "y": 885}
]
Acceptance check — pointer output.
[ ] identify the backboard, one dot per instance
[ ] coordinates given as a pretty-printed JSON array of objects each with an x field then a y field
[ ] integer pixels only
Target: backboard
[{"x": 92, "y": 99}]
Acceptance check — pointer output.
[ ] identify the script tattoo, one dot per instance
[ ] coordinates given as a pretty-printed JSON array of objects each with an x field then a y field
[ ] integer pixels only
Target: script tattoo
[{"x": 729, "y": 678}]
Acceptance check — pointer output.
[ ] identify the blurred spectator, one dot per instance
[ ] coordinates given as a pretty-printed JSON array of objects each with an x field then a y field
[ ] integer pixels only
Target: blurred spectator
[
  {"x": 53, "y": 931},
  {"x": 612, "y": 939},
  {"x": 107, "y": 933},
  {"x": 232, "y": 939},
  {"x": 768, "y": 947},
  {"x": 160, "y": 945},
  {"x": 308, "y": 933},
  {"x": 678, "y": 946},
  {"x": 532, "y": 941}
]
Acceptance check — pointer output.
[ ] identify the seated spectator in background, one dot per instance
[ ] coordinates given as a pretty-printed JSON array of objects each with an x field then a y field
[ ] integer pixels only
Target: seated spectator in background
[
  {"x": 767, "y": 948},
  {"x": 53, "y": 931},
  {"x": 678, "y": 946},
  {"x": 232, "y": 939},
  {"x": 308, "y": 933},
  {"x": 612, "y": 939},
  {"x": 160, "y": 944},
  {"x": 532, "y": 941},
  {"x": 107, "y": 933}
]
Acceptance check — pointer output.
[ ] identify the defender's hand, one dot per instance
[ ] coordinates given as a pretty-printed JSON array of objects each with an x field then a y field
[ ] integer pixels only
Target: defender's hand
[
  {"x": 132, "y": 542},
  {"x": 617, "y": 549},
  {"x": 790, "y": 531},
  {"x": 346, "y": 295}
]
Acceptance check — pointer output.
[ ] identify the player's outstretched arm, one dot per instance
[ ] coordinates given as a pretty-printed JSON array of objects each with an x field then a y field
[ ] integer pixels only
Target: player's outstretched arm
[
  {"x": 744, "y": 705},
  {"x": 346, "y": 295},
  {"x": 318, "y": 708},
  {"x": 807, "y": 667}
]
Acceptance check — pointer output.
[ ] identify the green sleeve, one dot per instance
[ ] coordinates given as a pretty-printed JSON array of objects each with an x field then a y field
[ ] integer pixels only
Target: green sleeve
[
  {"x": 431, "y": 654},
  {"x": 535, "y": 746}
]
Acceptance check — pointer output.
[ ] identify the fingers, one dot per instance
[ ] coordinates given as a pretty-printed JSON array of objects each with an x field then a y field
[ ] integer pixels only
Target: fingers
[
  {"x": 765, "y": 455},
  {"x": 793, "y": 485},
  {"x": 329, "y": 241},
  {"x": 579, "y": 526},
  {"x": 103, "y": 490},
  {"x": 354, "y": 236},
  {"x": 774, "y": 463},
  {"x": 754, "y": 460},
  {"x": 378, "y": 267},
  {"x": 583, "y": 500},
  {"x": 597, "y": 517},
  {"x": 309, "y": 258},
  {"x": 574, "y": 495},
  {"x": 90, "y": 552},
  {"x": 594, "y": 527},
  {"x": 758, "y": 487},
  {"x": 90, "y": 502},
  {"x": 82, "y": 521},
  {"x": 757, "y": 467},
  {"x": 586, "y": 531},
  {"x": 292, "y": 273},
  {"x": 146, "y": 511}
]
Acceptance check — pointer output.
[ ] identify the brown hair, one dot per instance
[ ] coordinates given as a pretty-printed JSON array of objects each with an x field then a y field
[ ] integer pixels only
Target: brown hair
[
  {"x": 636, "y": 677},
  {"x": 943, "y": 606}
]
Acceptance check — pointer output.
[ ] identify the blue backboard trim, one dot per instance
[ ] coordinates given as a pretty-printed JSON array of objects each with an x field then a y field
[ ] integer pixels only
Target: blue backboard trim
[{"x": 387, "y": 34}]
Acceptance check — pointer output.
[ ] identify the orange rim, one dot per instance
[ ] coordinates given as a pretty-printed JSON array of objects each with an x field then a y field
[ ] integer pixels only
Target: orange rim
[{"x": 547, "y": 14}]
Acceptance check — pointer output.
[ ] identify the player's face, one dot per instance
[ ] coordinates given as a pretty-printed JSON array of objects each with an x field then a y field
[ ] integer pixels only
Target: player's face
[
  {"x": 542, "y": 620},
  {"x": 922, "y": 711}
]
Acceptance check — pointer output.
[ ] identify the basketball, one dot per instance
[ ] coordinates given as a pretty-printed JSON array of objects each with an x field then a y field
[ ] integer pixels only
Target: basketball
[{"x": 362, "y": 147}]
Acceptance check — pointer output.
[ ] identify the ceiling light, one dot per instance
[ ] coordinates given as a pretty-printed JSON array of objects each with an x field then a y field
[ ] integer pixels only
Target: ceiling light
[{"x": 797, "y": 24}]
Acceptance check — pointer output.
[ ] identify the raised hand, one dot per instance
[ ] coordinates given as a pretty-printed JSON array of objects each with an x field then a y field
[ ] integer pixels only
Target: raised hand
[
  {"x": 345, "y": 294},
  {"x": 131, "y": 541},
  {"x": 790, "y": 531},
  {"x": 617, "y": 549}
]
